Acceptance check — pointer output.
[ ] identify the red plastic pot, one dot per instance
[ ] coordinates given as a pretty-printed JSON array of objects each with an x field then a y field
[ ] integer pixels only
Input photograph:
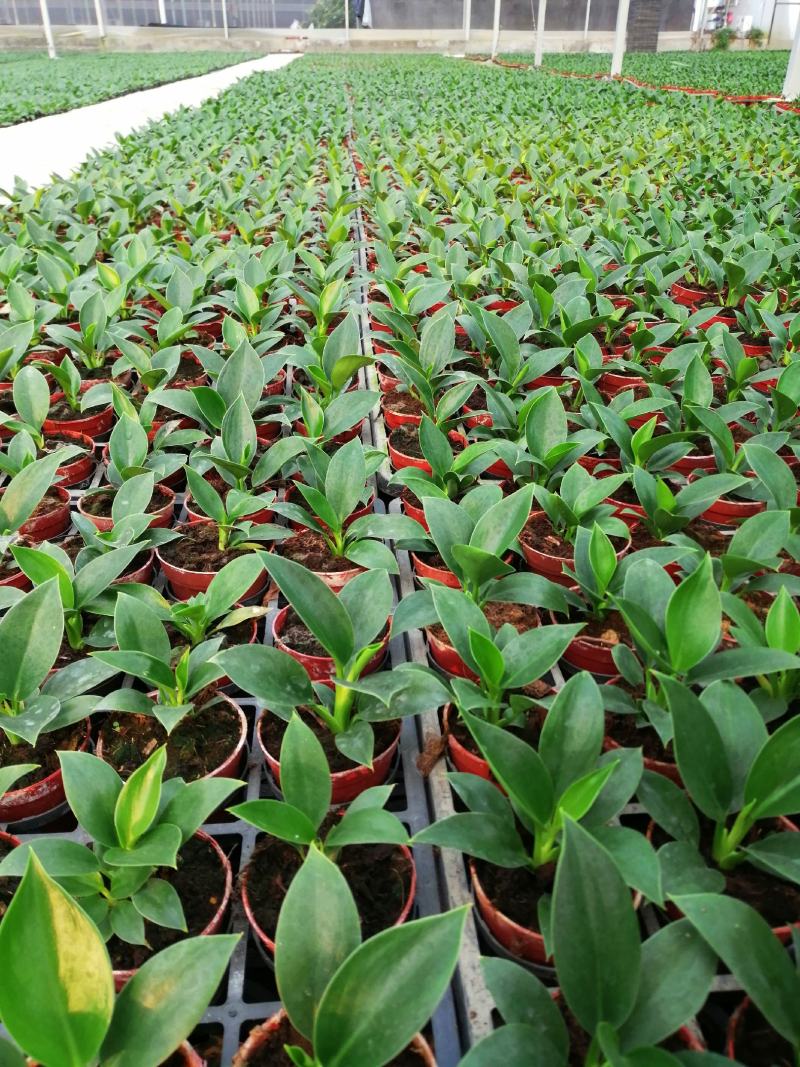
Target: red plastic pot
[
  {"x": 502, "y": 306},
  {"x": 16, "y": 580},
  {"x": 319, "y": 668},
  {"x": 41, "y": 798},
  {"x": 667, "y": 770},
  {"x": 269, "y": 944},
  {"x": 400, "y": 460},
  {"x": 347, "y": 785},
  {"x": 268, "y": 431},
  {"x": 460, "y": 756},
  {"x": 52, "y": 524},
  {"x": 519, "y": 941},
  {"x": 185, "y": 582},
  {"x": 413, "y": 512},
  {"x": 727, "y": 512},
  {"x": 215, "y": 925},
  {"x": 277, "y": 385},
  {"x": 162, "y": 519},
  {"x": 142, "y": 575},
  {"x": 686, "y": 295},
  {"x": 393, "y": 419},
  {"x": 335, "y": 580},
  {"x": 80, "y": 468},
  {"x": 261, "y": 1035},
  {"x": 589, "y": 654},
  {"x": 386, "y": 382},
  {"x": 438, "y": 574},
  {"x": 446, "y": 657},
  {"x": 93, "y": 425}
]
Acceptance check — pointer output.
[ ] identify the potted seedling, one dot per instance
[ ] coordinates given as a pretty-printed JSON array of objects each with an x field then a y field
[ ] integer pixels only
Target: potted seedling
[
  {"x": 544, "y": 786},
  {"x": 204, "y": 730},
  {"x": 48, "y": 938},
  {"x": 333, "y": 544},
  {"x": 364, "y": 726},
  {"x": 36, "y": 701},
  {"x": 31, "y": 507},
  {"x": 151, "y": 874},
  {"x": 380, "y": 869},
  {"x": 347, "y": 1014}
]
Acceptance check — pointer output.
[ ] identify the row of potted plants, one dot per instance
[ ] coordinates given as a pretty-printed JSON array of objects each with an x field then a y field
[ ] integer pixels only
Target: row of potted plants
[{"x": 596, "y": 481}]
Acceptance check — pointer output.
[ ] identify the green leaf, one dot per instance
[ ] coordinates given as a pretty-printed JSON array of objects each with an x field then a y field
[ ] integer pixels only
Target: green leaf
[
  {"x": 92, "y": 787},
  {"x": 595, "y": 933},
  {"x": 194, "y": 802},
  {"x": 367, "y": 827},
  {"x": 517, "y": 766},
  {"x": 318, "y": 928},
  {"x": 138, "y": 628},
  {"x": 386, "y": 991},
  {"x": 699, "y": 752},
  {"x": 30, "y": 636},
  {"x": 158, "y": 901},
  {"x": 346, "y": 478},
  {"x": 747, "y": 946},
  {"x": 693, "y": 618},
  {"x": 635, "y": 858},
  {"x": 163, "y": 1002},
  {"x": 572, "y": 735},
  {"x": 60, "y": 858},
  {"x": 773, "y": 784},
  {"x": 778, "y": 854},
  {"x": 9, "y": 775},
  {"x": 677, "y": 971},
  {"x": 515, "y": 1045},
  {"x": 48, "y": 944},
  {"x": 25, "y": 490},
  {"x": 668, "y": 804},
  {"x": 317, "y": 606},
  {"x": 277, "y": 818},
  {"x": 496, "y": 530},
  {"x": 486, "y": 836},
  {"x": 157, "y": 848},
  {"x": 275, "y": 679},
  {"x": 138, "y": 802},
  {"x": 305, "y": 774},
  {"x": 521, "y": 998}
]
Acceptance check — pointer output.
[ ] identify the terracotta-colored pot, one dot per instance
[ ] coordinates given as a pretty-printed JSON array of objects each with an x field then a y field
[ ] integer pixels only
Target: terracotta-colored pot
[
  {"x": 267, "y": 941},
  {"x": 347, "y": 785},
  {"x": 215, "y": 924},
  {"x": 53, "y": 523},
  {"x": 446, "y": 657},
  {"x": 93, "y": 425},
  {"x": 393, "y": 419},
  {"x": 162, "y": 519},
  {"x": 400, "y": 460},
  {"x": 260, "y": 1035},
  {"x": 519, "y": 941},
  {"x": 79, "y": 468},
  {"x": 335, "y": 580},
  {"x": 319, "y": 668},
  {"x": 413, "y": 512},
  {"x": 41, "y": 798},
  {"x": 591, "y": 654},
  {"x": 185, "y": 582},
  {"x": 438, "y": 574},
  {"x": 460, "y": 756}
]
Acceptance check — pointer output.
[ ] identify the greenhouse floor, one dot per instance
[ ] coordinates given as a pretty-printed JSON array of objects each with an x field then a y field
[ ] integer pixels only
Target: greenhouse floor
[{"x": 57, "y": 144}]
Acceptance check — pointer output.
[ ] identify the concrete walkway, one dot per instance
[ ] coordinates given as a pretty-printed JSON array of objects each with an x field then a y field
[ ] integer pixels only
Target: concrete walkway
[{"x": 57, "y": 144}]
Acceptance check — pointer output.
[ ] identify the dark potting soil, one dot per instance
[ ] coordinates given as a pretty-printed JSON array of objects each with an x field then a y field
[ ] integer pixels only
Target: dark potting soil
[
  {"x": 759, "y": 601},
  {"x": 7, "y": 885},
  {"x": 623, "y": 730},
  {"x": 539, "y": 535},
  {"x": 758, "y": 1045},
  {"x": 516, "y": 892},
  {"x": 189, "y": 370},
  {"x": 200, "y": 742},
  {"x": 777, "y": 902},
  {"x": 711, "y": 537},
  {"x": 611, "y": 629},
  {"x": 49, "y": 503},
  {"x": 521, "y": 616},
  {"x": 297, "y": 636},
  {"x": 54, "y": 441},
  {"x": 100, "y": 503},
  {"x": 239, "y": 634},
  {"x": 8, "y": 566},
  {"x": 197, "y": 548},
  {"x": 405, "y": 440},
  {"x": 378, "y": 875},
  {"x": 402, "y": 403},
  {"x": 309, "y": 548},
  {"x": 271, "y": 1053},
  {"x": 273, "y": 728},
  {"x": 44, "y": 753},
  {"x": 200, "y": 883},
  {"x": 61, "y": 411}
]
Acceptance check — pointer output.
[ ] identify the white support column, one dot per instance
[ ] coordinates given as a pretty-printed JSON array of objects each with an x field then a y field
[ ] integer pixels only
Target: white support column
[
  {"x": 586, "y": 21},
  {"x": 791, "y": 86},
  {"x": 347, "y": 20},
  {"x": 496, "y": 27},
  {"x": 101, "y": 22},
  {"x": 467, "y": 18},
  {"x": 540, "y": 17},
  {"x": 48, "y": 29},
  {"x": 162, "y": 12},
  {"x": 619, "y": 38},
  {"x": 224, "y": 19}
]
